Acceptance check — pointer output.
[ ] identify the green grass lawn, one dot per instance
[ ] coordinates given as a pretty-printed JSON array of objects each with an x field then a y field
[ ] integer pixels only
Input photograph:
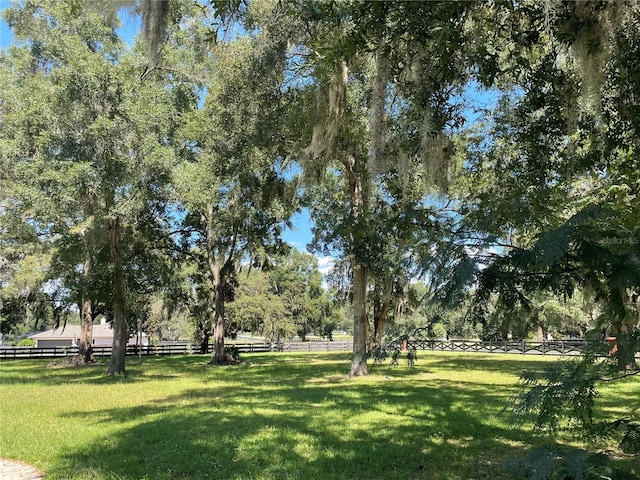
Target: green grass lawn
[{"x": 280, "y": 416}]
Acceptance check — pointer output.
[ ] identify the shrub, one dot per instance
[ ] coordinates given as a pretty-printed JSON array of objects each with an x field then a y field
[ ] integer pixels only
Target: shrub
[
  {"x": 562, "y": 396},
  {"x": 568, "y": 464},
  {"x": 232, "y": 353},
  {"x": 27, "y": 342}
]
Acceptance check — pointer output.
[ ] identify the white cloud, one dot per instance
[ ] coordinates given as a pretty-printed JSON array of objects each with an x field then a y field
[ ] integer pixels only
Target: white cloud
[{"x": 325, "y": 264}]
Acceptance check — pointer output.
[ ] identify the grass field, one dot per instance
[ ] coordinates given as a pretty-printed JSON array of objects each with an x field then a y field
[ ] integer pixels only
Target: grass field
[{"x": 279, "y": 416}]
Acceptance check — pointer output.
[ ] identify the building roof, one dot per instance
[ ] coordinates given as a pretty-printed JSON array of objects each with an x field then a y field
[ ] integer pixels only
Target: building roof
[{"x": 72, "y": 332}]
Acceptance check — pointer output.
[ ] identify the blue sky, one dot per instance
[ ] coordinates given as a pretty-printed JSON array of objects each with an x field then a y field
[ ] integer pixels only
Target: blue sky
[
  {"x": 5, "y": 33},
  {"x": 301, "y": 234}
]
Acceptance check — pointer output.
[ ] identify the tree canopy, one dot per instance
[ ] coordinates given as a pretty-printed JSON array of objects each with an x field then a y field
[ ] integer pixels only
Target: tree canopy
[{"x": 189, "y": 148}]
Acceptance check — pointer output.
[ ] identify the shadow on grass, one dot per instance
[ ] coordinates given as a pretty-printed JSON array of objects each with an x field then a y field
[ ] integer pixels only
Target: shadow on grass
[
  {"x": 297, "y": 420},
  {"x": 153, "y": 368},
  {"x": 284, "y": 416},
  {"x": 157, "y": 368},
  {"x": 40, "y": 372}
]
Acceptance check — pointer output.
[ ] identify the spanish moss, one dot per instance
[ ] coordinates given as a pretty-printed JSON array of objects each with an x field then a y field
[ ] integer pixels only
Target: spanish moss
[
  {"x": 331, "y": 102},
  {"x": 154, "y": 24}
]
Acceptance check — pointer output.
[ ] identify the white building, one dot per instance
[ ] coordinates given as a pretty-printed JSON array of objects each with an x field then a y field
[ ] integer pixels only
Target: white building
[{"x": 69, "y": 336}]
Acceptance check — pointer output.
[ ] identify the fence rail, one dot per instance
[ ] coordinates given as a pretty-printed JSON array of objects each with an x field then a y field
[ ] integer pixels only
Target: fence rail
[
  {"x": 559, "y": 347},
  {"x": 573, "y": 347},
  {"x": 314, "y": 347},
  {"x": 8, "y": 353}
]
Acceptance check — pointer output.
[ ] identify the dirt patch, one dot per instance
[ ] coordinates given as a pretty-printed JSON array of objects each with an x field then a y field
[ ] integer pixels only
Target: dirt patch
[
  {"x": 15, "y": 470},
  {"x": 73, "y": 362}
]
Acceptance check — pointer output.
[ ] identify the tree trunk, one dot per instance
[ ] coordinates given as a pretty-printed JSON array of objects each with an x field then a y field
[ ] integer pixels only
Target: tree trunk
[
  {"x": 204, "y": 333},
  {"x": 627, "y": 337},
  {"x": 120, "y": 330},
  {"x": 625, "y": 352},
  {"x": 85, "y": 351},
  {"x": 219, "y": 357},
  {"x": 540, "y": 337},
  {"x": 360, "y": 322},
  {"x": 379, "y": 319},
  {"x": 380, "y": 311},
  {"x": 357, "y": 185},
  {"x": 626, "y": 347},
  {"x": 302, "y": 334},
  {"x": 218, "y": 283}
]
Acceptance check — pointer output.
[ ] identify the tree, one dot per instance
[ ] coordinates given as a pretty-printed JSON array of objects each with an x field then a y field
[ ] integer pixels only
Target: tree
[
  {"x": 230, "y": 182},
  {"x": 554, "y": 171},
  {"x": 563, "y": 397},
  {"x": 401, "y": 237},
  {"x": 348, "y": 57},
  {"x": 33, "y": 182},
  {"x": 99, "y": 147},
  {"x": 168, "y": 320},
  {"x": 554, "y": 200},
  {"x": 295, "y": 278},
  {"x": 24, "y": 259},
  {"x": 257, "y": 308},
  {"x": 381, "y": 62},
  {"x": 283, "y": 299}
]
